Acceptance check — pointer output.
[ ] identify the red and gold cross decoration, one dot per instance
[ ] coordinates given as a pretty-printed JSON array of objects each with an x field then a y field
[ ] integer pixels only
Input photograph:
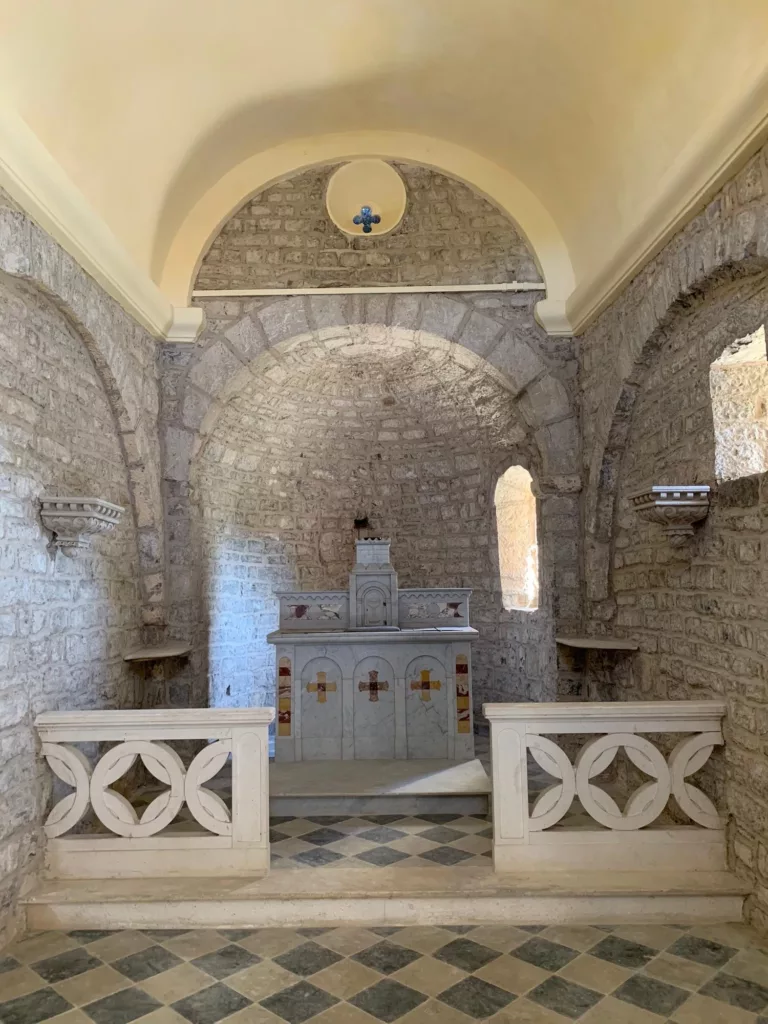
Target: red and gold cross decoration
[
  {"x": 425, "y": 684},
  {"x": 284, "y": 697},
  {"x": 462, "y": 694},
  {"x": 321, "y": 687},
  {"x": 374, "y": 685}
]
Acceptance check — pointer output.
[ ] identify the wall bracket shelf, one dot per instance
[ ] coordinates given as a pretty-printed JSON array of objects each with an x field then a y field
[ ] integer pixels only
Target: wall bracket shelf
[
  {"x": 591, "y": 643},
  {"x": 169, "y": 650}
]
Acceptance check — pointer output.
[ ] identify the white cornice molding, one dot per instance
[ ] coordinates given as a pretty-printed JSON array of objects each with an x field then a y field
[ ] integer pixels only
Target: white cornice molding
[
  {"x": 704, "y": 169},
  {"x": 39, "y": 185}
]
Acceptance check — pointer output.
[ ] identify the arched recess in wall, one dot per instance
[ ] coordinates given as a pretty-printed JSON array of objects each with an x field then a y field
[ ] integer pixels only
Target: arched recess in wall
[
  {"x": 276, "y": 338},
  {"x": 742, "y": 320},
  {"x": 186, "y": 227},
  {"x": 77, "y": 612},
  {"x": 728, "y": 241},
  {"x": 516, "y": 539},
  {"x": 124, "y": 356}
]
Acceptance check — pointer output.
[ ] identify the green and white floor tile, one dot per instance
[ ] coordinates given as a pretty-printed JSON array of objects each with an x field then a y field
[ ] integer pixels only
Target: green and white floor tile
[{"x": 412, "y": 975}]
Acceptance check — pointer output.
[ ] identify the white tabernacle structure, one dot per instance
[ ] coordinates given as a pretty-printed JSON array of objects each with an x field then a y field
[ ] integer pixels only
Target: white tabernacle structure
[{"x": 374, "y": 672}]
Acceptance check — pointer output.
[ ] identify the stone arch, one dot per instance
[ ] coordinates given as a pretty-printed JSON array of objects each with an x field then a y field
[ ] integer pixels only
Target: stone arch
[
  {"x": 215, "y": 371},
  {"x": 727, "y": 241},
  {"x": 271, "y": 336},
  {"x": 124, "y": 355}
]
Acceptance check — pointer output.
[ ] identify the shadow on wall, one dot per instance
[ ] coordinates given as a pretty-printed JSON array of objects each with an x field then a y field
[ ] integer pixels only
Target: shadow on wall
[{"x": 243, "y": 568}]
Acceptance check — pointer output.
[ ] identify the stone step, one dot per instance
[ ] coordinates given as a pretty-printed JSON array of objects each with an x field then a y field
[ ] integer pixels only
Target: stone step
[
  {"x": 435, "y": 786},
  {"x": 387, "y": 896}
]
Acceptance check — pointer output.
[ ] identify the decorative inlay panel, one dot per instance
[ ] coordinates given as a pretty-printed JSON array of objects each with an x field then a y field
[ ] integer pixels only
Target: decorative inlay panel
[
  {"x": 425, "y": 608},
  {"x": 463, "y": 710},
  {"x": 309, "y": 610},
  {"x": 284, "y": 696}
]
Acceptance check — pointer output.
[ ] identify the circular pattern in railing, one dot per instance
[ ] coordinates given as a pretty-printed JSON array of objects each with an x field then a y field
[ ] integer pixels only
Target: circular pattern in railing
[
  {"x": 554, "y": 801},
  {"x": 114, "y": 811},
  {"x": 689, "y": 755},
  {"x": 71, "y": 766},
  {"x": 208, "y": 807},
  {"x": 645, "y": 804}
]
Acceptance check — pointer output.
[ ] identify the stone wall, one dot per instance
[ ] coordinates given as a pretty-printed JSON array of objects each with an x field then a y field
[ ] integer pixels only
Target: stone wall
[
  {"x": 284, "y": 238},
  {"x": 64, "y": 622},
  {"x": 699, "y": 615},
  {"x": 492, "y": 389}
]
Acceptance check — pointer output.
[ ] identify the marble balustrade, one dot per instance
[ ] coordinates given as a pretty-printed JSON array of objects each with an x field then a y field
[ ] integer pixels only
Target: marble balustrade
[
  {"x": 604, "y": 837},
  {"x": 212, "y": 840}
]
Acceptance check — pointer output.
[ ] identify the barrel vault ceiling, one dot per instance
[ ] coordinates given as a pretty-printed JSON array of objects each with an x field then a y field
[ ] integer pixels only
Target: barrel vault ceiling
[{"x": 132, "y": 128}]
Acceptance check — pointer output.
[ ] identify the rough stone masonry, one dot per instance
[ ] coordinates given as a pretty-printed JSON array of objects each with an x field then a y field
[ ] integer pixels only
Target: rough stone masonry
[{"x": 242, "y": 459}]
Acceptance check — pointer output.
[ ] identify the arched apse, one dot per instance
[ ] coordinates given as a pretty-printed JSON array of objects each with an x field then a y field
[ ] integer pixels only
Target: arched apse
[
  {"x": 283, "y": 362},
  {"x": 194, "y": 214}
]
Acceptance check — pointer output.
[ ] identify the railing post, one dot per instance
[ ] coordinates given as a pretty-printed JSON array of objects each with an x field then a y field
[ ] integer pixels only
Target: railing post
[
  {"x": 509, "y": 764},
  {"x": 250, "y": 786}
]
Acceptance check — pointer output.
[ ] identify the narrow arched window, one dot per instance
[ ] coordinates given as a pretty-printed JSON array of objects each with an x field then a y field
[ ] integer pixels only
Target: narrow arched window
[
  {"x": 518, "y": 547},
  {"x": 738, "y": 385}
]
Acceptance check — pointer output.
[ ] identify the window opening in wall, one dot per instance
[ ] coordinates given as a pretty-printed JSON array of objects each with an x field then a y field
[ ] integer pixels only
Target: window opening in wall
[
  {"x": 518, "y": 547},
  {"x": 738, "y": 385}
]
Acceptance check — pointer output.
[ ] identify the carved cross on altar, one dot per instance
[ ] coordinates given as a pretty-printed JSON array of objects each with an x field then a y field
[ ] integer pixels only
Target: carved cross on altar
[
  {"x": 373, "y": 685},
  {"x": 321, "y": 688},
  {"x": 425, "y": 684}
]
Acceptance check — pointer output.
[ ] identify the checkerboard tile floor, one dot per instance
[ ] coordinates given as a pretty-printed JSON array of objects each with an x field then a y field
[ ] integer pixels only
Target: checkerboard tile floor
[
  {"x": 381, "y": 840},
  {"x": 415, "y": 975}
]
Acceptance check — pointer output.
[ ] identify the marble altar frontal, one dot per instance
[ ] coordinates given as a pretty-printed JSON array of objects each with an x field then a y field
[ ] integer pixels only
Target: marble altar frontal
[{"x": 374, "y": 672}]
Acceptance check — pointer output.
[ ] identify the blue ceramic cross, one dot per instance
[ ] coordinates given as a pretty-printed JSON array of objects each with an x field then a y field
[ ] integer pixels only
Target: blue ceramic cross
[{"x": 366, "y": 217}]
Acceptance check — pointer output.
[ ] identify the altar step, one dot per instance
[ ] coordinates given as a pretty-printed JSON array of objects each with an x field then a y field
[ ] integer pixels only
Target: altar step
[
  {"x": 387, "y": 896},
  {"x": 303, "y": 788}
]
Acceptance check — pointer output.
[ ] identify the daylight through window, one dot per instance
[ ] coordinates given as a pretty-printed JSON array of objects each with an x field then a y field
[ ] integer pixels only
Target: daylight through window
[
  {"x": 518, "y": 548},
  {"x": 738, "y": 384}
]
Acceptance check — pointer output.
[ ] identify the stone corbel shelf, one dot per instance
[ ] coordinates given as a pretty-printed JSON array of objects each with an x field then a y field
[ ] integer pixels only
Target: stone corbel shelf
[
  {"x": 74, "y": 520},
  {"x": 590, "y": 643},
  {"x": 675, "y": 507},
  {"x": 170, "y": 650}
]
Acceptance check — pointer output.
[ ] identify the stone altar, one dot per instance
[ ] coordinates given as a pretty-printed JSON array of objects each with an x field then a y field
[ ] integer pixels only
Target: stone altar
[{"x": 374, "y": 672}]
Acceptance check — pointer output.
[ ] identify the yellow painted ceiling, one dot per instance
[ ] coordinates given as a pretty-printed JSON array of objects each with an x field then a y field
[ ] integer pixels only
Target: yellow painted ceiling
[{"x": 603, "y": 110}]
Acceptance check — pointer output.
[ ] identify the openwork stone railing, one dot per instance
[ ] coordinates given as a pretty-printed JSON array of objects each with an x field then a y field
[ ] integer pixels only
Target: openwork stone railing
[
  {"x": 212, "y": 840},
  {"x": 630, "y": 838}
]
